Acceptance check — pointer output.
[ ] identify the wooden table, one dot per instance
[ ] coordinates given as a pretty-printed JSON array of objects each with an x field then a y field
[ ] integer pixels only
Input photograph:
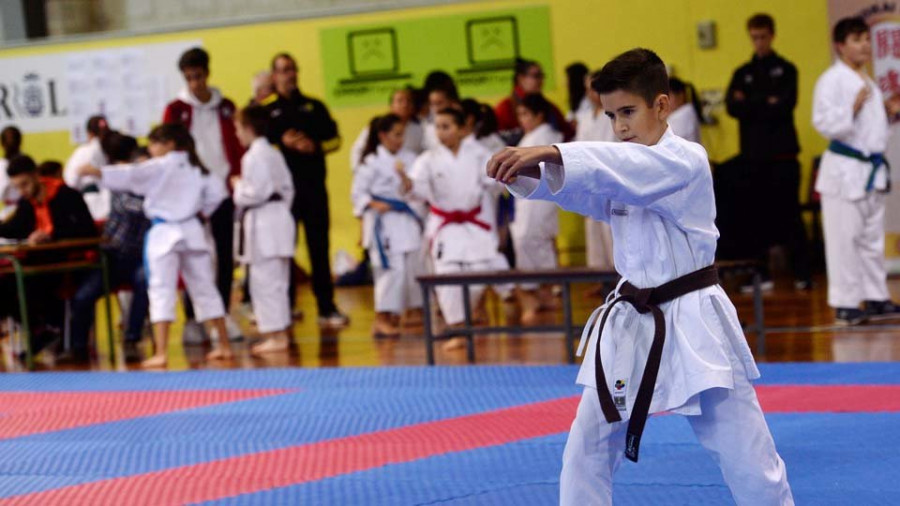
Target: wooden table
[{"x": 17, "y": 255}]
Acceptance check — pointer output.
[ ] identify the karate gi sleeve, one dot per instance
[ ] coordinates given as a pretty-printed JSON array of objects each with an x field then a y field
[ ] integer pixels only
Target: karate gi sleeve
[
  {"x": 595, "y": 173},
  {"x": 360, "y": 194},
  {"x": 832, "y": 109},
  {"x": 214, "y": 192},
  {"x": 135, "y": 178},
  {"x": 255, "y": 186},
  {"x": 70, "y": 172},
  {"x": 420, "y": 175}
]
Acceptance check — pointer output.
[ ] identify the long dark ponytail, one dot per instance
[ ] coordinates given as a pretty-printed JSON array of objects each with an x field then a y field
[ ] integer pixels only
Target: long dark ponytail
[
  {"x": 378, "y": 125},
  {"x": 179, "y": 135}
]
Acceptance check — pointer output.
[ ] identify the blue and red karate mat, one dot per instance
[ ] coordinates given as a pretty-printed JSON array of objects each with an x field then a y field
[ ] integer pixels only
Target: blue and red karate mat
[{"x": 442, "y": 435}]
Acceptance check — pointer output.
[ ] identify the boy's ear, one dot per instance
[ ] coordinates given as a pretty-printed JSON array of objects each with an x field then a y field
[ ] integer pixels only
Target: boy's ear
[{"x": 662, "y": 105}]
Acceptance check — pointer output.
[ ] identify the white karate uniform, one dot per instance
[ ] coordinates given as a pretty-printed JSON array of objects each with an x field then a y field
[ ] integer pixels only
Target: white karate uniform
[
  {"x": 98, "y": 202},
  {"x": 536, "y": 224},
  {"x": 852, "y": 218},
  {"x": 413, "y": 141},
  {"x": 659, "y": 201},
  {"x": 268, "y": 230},
  {"x": 396, "y": 288},
  {"x": 685, "y": 123},
  {"x": 458, "y": 183},
  {"x": 598, "y": 236},
  {"x": 174, "y": 193}
]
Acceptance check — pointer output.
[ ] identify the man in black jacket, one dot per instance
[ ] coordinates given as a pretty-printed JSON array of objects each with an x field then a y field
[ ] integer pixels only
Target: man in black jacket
[
  {"x": 305, "y": 131},
  {"x": 47, "y": 210},
  {"x": 762, "y": 96}
]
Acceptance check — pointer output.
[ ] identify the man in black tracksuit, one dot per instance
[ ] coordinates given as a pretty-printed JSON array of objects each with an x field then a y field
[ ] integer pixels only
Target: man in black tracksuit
[
  {"x": 762, "y": 96},
  {"x": 304, "y": 130}
]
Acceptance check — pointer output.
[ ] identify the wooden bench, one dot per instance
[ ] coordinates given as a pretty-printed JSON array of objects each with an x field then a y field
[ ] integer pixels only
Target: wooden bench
[{"x": 565, "y": 277}]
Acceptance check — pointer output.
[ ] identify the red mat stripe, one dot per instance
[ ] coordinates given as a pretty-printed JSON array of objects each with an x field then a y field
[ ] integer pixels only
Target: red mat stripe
[
  {"x": 27, "y": 413},
  {"x": 305, "y": 463},
  {"x": 299, "y": 464}
]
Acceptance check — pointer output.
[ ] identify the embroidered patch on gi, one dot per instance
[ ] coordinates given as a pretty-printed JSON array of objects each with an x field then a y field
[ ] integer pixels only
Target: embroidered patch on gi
[{"x": 619, "y": 394}]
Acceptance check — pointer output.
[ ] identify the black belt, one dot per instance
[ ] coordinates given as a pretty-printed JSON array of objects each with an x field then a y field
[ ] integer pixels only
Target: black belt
[
  {"x": 646, "y": 300},
  {"x": 275, "y": 197},
  {"x": 91, "y": 188}
]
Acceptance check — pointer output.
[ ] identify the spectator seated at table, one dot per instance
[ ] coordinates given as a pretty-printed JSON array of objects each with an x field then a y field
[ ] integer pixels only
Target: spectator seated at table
[{"x": 47, "y": 210}]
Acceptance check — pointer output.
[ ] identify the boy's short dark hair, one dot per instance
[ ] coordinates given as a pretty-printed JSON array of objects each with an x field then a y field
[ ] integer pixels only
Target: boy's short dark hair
[
  {"x": 11, "y": 136},
  {"x": 847, "y": 27},
  {"x": 761, "y": 21},
  {"x": 20, "y": 164},
  {"x": 50, "y": 168},
  {"x": 256, "y": 117},
  {"x": 194, "y": 58},
  {"x": 639, "y": 71}
]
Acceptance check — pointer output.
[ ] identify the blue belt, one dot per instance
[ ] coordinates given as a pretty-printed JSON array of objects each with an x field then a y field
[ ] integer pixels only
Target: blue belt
[
  {"x": 876, "y": 159},
  {"x": 398, "y": 206}
]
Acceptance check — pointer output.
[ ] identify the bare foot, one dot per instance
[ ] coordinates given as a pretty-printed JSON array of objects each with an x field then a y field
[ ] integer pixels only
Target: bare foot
[
  {"x": 155, "y": 362},
  {"x": 414, "y": 318},
  {"x": 455, "y": 343},
  {"x": 270, "y": 345},
  {"x": 220, "y": 354},
  {"x": 383, "y": 328}
]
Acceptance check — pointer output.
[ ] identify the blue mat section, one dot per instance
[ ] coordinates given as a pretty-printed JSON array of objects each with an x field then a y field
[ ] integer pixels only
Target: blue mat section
[{"x": 832, "y": 459}]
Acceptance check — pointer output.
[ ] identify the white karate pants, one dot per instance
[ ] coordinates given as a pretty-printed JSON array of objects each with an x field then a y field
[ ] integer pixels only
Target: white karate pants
[
  {"x": 854, "y": 249},
  {"x": 534, "y": 254},
  {"x": 269, "y": 284},
  {"x": 396, "y": 288},
  {"x": 196, "y": 269},
  {"x": 450, "y": 298},
  {"x": 731, "y": 427}
]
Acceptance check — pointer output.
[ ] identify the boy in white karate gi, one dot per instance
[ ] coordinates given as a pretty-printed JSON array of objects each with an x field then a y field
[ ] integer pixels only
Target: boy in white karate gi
[
  {"x": 263, "y": 194},
  {"x": 849, "y": 109},
  {"x": 392, "y": 226},
  {"x": 672, "y": 339},
  {"x": 176, "y": 192},
  {"x": 536, "y": 222}
]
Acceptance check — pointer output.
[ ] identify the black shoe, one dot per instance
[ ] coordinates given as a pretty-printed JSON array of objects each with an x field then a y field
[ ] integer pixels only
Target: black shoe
[
  {"x": 882, "y": 309},
  {"x": 133, "y": 352},
  {"x": 850, "y": 316}
]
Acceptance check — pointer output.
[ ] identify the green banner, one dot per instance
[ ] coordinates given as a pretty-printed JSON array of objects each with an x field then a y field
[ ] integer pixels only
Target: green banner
[{"x": 364, "y": 63}]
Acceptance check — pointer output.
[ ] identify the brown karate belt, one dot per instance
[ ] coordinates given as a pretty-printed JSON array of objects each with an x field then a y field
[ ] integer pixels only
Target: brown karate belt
[{"x": 646, "y": 300}]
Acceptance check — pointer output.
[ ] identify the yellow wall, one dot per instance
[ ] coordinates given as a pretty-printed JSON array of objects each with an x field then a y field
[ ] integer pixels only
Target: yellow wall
[{"x": 590, "y": 31}]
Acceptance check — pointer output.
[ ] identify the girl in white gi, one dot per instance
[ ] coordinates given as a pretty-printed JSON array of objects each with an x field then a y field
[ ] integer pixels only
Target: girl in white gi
[
  {"x": 655, "y": 188},
  {"x": 263, "y": 194},
  {"x": 392, "y": 227},
  {"x": 176, "y": 190},
  {"x": 450, "y": 177},
  {"x": 848, "y": 109},
  {"x": 97, "y": 199},
  {"x": 685, "y": 117},
  {"x": 536, "y": 224},
  {"x": 403, "y": 106},
  {"x": 593, "y": 125}
]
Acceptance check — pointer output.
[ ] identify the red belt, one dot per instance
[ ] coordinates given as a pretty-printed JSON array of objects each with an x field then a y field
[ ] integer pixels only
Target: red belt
[{"x": 460, "y": 217}]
